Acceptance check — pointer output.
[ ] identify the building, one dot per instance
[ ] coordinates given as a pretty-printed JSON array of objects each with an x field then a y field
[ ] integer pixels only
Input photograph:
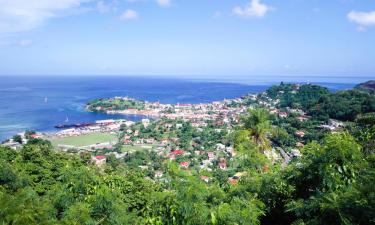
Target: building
[
  {"x": 205, "y": 179},
  {"x": 184, "y": 164},
  {"x": 99, "y": 160},
  {"x": 300, "y": 134}
]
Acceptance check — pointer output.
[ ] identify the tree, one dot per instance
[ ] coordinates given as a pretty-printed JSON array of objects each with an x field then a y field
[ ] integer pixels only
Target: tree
[
  {"x": 258, "y": 124},
  {"x": 17, "y": 138},
  {"x": 325, "y": 179}
]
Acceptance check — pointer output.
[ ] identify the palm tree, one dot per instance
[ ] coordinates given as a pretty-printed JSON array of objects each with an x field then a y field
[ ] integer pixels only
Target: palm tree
[{"x": 258, "y": 124}]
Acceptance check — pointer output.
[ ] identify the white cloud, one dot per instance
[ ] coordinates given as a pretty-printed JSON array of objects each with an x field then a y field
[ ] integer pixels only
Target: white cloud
[
  {"x": 164, "y": 3},
  {"x": 24, "y": 15},
  {"x": 362, "y": 19},
  {"x": 253, "y": 9},
  {"x": 129, "y": 15},
  {"x": 103, "y": 7}
]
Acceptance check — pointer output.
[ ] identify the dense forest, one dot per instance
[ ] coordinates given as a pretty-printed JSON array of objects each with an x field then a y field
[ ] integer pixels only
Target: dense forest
[
  {"x": 318, "y": 102},
  {"x": 332, "y": 182}
]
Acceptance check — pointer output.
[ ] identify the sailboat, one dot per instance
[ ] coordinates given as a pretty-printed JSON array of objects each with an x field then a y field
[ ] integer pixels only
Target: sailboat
[
  {"x": 45, "y": 99},
  {"x": 67, "y": 119}
]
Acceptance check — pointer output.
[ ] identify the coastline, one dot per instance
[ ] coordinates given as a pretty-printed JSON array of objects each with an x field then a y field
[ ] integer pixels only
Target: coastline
[{"x": 67, "y": 97}]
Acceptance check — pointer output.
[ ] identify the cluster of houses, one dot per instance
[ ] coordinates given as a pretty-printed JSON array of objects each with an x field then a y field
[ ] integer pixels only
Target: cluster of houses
[
  {"x": 17, "y": 144},
  {"x": 190, "y": 112}
]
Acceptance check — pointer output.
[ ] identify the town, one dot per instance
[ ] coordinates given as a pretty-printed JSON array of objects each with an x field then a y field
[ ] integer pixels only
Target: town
[{"x": 197, "y": 137}]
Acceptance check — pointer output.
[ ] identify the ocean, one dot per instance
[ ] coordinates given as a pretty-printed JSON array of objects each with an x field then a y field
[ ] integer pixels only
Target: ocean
[{"x": 41, "y": 102}]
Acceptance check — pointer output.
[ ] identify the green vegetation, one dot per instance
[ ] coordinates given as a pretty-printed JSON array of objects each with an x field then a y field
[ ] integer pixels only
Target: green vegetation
[
  {"x": 84, "y": 140},
  {"x": 100, "y": 105},
  {"x": 331, "y": 184},
  {"x": 17, "y": 138},
  {"x": 321, "y": 104}
]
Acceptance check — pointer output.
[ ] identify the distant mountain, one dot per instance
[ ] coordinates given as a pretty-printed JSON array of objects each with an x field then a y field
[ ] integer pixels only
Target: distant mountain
[{"x": 368, "y": 86}]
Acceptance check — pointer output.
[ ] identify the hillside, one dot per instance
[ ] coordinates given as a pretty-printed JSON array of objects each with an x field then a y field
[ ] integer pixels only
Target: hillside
[{"x": 368, "y": 86}]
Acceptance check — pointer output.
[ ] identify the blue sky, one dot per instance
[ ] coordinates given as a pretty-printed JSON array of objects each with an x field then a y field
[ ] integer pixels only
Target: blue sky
[{"x": 210, "y": 38}]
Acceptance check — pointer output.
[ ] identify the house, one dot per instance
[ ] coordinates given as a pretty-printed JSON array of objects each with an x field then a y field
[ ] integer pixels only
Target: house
[
  {"x": 35, "y": 136},
  {"x": 211, "y": 155},
  {"x": 302, "y": 118},
  {"x": 129, "y": 131},
  {"x": 184, "y": 164},
  {"x": 205, "y": 164},
  {"x": 164, "y": 141},
  {"x": 143, "y": 167},
  {"x": 336, "y": 123},
  {"x": 178, "y": 152},
  {"x": 233, "y": 181},
  {"x": 158, "y": 174},
  {"x": 205, "y": 179},
  {"x": 129, "y": 123},
  {"x": 240, "y": 174},
  {"x": 300, "y": 144},
  {"x": 300, "y": 134},
  {"x": 99, "y": 160},
  {"x": 274, "y": 111},
  {"x": 220, "y": 147},
  {"x": 175, "y": 153},
  {"x": 328, "y": 127},
  {"x": 283, "y": 114},
  {"x": 223, "y": 165}
]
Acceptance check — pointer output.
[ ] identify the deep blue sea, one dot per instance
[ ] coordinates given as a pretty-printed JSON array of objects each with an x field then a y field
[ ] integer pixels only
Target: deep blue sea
[{"x": 41, "y": 102}]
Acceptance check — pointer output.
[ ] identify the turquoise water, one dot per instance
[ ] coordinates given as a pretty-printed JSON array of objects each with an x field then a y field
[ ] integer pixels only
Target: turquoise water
[{"x": 41, "y": 102}]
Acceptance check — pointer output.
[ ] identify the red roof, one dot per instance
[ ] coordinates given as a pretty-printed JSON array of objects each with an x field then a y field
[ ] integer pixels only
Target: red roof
[
  {"x": 233, "y": 181},
  {"x": 100, "y": 157},
  {"x": 178, "y": 152},
  {"x": 35, "y": 136},
  {"x": 205, "y": 178},
  {"x": 184, "y": 164}
]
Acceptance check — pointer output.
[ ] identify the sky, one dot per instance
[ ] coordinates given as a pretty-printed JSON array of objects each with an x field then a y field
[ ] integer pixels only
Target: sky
[{"x": 208, "y": 38}]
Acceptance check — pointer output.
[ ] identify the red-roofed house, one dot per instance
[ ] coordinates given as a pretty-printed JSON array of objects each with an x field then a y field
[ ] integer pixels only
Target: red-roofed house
[
  {"x": 223, "y": 165},
  {"x": 205, "y": 179},
  {"x": 184, "y": 164},
  {"x": 233, "y": 181},
  {"x": 176, "y": 152},
  {"x": 35, "y": 136},
  {"x": 283, "y": 114},
  {"x": 99, "y": 160},
  {"x": 211, "y": 155}
]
